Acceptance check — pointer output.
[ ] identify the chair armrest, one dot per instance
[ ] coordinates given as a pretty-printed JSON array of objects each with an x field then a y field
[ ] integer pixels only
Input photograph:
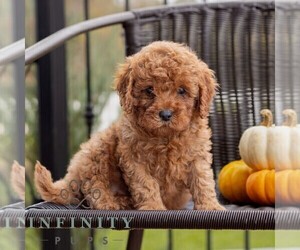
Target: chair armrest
[{"x": 236, "y": 217}]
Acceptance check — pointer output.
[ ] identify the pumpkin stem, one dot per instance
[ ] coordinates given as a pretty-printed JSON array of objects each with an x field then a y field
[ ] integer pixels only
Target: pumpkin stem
[
  {"x": 290, "y": 118},
  {"x": 267, "y": 117}
]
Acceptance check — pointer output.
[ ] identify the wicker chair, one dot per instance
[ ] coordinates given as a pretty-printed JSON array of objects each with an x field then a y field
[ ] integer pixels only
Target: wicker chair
[{"x": 238, "y": 43}]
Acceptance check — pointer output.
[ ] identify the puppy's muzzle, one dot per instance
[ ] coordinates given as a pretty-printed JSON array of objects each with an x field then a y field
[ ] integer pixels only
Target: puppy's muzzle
[{"x": 165, "y": 115}]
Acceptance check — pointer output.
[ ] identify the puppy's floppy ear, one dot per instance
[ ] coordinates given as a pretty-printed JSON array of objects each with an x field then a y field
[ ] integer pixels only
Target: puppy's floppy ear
[
  {"x": 207, "y": 89},
  {"x": 123, "y": 84}
]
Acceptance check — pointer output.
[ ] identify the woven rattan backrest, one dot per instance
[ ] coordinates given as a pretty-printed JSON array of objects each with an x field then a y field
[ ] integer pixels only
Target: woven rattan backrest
[{"x": 238, "y": 42}]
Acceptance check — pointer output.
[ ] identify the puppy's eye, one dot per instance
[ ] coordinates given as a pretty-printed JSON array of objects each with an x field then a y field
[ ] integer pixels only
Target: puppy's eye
[
  {"x": 149, "y": 91},
  {"x": 181, "y": 91}
]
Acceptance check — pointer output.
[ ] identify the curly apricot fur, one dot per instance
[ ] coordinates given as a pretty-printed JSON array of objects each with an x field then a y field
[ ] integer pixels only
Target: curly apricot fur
[{"x": 141, "y": 161}]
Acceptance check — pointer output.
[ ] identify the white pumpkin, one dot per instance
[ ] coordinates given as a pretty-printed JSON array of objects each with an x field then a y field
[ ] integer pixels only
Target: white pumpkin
[
  {"x": 272, "y": 147},
  {"x": 293, "y": 144}
]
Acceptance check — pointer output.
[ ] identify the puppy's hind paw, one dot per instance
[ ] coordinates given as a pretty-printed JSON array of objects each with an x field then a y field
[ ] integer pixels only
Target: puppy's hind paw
[
  {"x": 106, "y": 206},
  {"x": 210, "y": 206}
]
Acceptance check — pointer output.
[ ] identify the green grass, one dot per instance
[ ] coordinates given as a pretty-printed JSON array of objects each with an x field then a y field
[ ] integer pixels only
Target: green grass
[
  {"x": 182, "y": 239},
  {"x": 11, "y": 239},
  {"x": 287, "y": 239},
  {"x": 196, "y": 239},
  {"x": 260, "y": 239},
  {"x": 189, "y": 239},
  {"x": 228, "y": 239}
]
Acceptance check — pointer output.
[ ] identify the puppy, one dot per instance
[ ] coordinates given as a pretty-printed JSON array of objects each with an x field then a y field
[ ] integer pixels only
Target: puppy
[{"x": 157, "y": 155}]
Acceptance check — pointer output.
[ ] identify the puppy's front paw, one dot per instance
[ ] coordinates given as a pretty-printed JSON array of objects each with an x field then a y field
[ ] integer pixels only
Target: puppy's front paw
[
  {"x": 210, "y": 206},
  {"x": 151, "y": 207},
  {"x": 102, "y": 203}
]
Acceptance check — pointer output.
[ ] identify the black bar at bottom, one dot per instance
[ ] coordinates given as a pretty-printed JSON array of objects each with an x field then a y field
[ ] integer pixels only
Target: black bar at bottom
[
  {"x": 208, "y": 240},
  {"x": 135, "y": 239},
  {"x": 52, "y": 95},
  {"x": 247, "y": 240},
  {"x": 170, "y": 239}
]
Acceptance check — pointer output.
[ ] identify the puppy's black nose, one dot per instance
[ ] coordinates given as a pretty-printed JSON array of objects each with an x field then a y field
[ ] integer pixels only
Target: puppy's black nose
[{"x": 165, "y": 115}]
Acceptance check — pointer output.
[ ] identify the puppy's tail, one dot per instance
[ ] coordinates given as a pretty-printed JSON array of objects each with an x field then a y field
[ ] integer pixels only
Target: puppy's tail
[{"x": 57, "y": 192}]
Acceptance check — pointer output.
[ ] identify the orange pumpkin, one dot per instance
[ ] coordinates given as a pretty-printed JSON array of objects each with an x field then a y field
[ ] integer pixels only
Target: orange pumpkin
[
  {"x": 260, "y": 187},
  {"x": 287, "y": 187},
  {"x": 232, "y": 181}
]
